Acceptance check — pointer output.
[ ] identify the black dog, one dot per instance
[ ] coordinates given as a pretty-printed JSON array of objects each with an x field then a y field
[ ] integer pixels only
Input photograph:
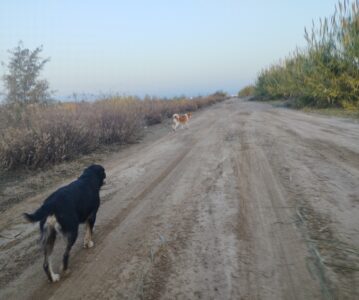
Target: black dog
[{"x": 64, "y": 210}]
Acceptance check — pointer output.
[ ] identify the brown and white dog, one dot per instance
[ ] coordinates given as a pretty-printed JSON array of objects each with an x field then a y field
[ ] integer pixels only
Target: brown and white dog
[{"x": 180, "y": 120}]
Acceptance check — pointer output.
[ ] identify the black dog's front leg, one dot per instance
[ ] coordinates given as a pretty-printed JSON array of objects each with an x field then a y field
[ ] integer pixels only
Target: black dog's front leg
[{"x": 88, "y": 243}]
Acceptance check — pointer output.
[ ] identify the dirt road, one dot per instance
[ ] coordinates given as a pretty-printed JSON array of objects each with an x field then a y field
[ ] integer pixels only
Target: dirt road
[{"x": 251, "y": 202}]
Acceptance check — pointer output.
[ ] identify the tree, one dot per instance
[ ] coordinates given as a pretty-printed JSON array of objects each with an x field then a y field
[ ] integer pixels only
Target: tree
[{"x": 22, "y": 82}]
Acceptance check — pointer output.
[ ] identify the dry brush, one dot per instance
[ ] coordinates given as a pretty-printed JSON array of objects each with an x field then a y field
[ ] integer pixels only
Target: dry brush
[{"x": 37, "y": 135}]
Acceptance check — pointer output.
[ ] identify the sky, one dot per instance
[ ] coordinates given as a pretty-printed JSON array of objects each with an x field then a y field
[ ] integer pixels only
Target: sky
[{"x": 159, "y": 48}]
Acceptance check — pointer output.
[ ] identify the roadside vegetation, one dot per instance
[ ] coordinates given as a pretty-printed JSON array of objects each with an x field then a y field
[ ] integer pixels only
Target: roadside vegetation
[
  {"x": 326, "y": 73},
  {"x": 247, "y": 91},
  {"x": 36, "y": 131},
  {"x": 39, "y": 134}
]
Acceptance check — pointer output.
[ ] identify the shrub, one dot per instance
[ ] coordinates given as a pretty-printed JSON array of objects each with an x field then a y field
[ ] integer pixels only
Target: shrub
[
  {"x": 37, "y": 135},
  {"x": 247, "y": 91}
]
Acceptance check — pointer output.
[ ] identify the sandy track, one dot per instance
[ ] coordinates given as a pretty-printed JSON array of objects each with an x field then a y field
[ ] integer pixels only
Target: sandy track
[{"x": 252, "y": 202}]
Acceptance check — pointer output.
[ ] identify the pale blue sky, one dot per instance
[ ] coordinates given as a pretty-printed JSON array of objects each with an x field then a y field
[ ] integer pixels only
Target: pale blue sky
[{"x": 162, "y": 48}]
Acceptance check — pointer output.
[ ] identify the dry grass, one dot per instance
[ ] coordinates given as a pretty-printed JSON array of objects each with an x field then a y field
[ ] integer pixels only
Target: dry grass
[
  {"x": 333, "y": 112},
  {"x": 35, "y": 136}
]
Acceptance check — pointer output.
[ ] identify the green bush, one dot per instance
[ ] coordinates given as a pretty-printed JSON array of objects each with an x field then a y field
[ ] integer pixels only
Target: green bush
[
  {"x": 247, "y": 91},
  {"x": 326, "y": 73}
]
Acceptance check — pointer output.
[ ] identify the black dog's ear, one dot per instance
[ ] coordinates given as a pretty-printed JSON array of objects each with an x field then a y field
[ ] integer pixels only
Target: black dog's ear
[
  {"x": 93, "y": 168},
  {"x": 100, "y": 170}
]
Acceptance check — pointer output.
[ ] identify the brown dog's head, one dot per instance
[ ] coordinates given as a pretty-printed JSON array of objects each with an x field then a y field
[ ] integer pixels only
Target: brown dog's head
[{"x": 189, "y": 115}]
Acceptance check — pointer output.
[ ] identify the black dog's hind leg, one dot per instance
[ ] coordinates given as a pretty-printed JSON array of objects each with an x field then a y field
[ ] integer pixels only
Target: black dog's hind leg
[
  {"x": 71, "y": 239},
  {"x": 88, "y": 243},
  {"x": 49, "y": 237}
]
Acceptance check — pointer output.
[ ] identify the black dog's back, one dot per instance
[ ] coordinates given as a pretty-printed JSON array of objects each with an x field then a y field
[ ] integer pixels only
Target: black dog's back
[
  {"x": 72, "y": 203},
  {"x": 65, "y": 209},
  {"x": 78, "y": 199}
]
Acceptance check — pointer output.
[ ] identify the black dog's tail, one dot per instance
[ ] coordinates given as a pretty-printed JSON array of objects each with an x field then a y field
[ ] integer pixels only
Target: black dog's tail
[{"x": 40, "y": 214}]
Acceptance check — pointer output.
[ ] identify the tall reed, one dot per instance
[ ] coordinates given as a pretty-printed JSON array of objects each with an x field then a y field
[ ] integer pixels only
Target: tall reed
[{"x": 326, "y": 72}]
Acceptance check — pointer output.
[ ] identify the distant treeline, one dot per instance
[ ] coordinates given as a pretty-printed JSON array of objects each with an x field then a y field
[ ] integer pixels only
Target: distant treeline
[{"x": 326, "y": 72}]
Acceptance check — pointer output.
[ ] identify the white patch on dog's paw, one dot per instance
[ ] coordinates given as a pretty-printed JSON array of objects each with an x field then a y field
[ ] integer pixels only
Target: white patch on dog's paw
[
  {"x": 55, "y": 277},
  {"x": 89, "y": 244}
]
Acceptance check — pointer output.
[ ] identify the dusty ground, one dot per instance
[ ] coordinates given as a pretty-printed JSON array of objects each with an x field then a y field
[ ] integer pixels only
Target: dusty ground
[{"x": 252, "y": 202}]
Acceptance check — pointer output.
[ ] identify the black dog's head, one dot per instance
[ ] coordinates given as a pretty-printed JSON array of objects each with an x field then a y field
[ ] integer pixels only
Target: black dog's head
[{"x": 95, "y": 172}]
